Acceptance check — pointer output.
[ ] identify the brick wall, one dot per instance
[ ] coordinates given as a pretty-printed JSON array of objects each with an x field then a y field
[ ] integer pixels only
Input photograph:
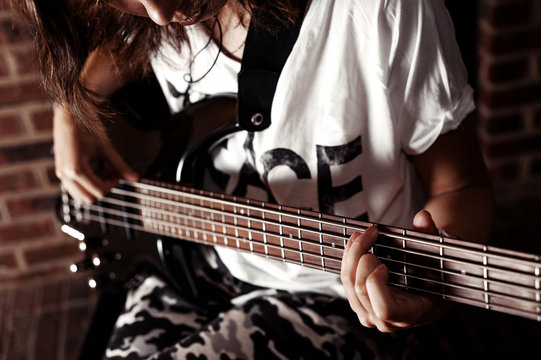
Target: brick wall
[
  {"x": 509, "y": 79},
  {"x": 31, "y": 246},
  {"x": 510, "y": 114}
]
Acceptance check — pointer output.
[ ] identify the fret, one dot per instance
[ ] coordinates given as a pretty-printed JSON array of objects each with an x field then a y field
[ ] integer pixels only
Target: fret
[
  {"x": 250, "y": 237},
  {"x": 442, "y": 275},
  {"x": 281, "y": 232},
  {"x": 213, "y": 224},
  {"x": 192, "y": 214},
  {"x": 321, "y": 242},
  {"x": 264, "y": 227},
  {"x": 485, "y": 277},
  {"x": 405, "y": 268},
  {"x": 299, "y": 236},
  {"x": 538, "y": 289},
  {"x": 224, "y": 228},
  {"x": 345, "y": 233},
  {"x": 236, "y": 223}
]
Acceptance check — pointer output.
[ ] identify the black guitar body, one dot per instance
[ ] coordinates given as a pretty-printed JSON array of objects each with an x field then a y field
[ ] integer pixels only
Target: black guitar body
[{"x": 175, "y": 149}]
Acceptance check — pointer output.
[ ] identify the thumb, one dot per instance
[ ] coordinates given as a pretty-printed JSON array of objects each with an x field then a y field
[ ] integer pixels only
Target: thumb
[{"x": 423, "y": 222}]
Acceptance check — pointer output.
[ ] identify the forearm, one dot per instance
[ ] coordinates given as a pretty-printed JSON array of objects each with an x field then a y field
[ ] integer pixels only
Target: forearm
[
  {"x": 465, "y": 213},
  {"x": 103, "y": 75},
  {"x": 457, "y": 184}
]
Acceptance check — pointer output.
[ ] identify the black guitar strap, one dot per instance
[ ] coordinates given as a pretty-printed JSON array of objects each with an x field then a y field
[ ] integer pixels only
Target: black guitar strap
[{"x": 265, "y": 54}]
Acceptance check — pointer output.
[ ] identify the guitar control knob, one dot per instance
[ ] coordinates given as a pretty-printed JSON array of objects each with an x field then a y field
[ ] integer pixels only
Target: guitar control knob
[
  {"x": 96, "y": 261},
  {"x": 94, "y": 243}
]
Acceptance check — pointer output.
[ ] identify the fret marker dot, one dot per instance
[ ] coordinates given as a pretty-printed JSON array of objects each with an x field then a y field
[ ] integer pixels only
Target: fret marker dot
[
  {"x": 463, "y": 272},
  {"x": 242, "y": 211}
]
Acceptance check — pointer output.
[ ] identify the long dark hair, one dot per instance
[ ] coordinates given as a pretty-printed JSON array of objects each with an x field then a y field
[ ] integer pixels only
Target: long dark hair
[{"x": 67, "y": 31}]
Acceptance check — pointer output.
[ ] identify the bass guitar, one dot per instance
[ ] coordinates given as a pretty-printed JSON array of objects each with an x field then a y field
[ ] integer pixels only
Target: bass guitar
[{"x": 140, "y": 222}]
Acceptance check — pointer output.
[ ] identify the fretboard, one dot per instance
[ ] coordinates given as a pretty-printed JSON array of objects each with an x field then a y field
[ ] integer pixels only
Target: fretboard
[{"x": 484, "y": 276}]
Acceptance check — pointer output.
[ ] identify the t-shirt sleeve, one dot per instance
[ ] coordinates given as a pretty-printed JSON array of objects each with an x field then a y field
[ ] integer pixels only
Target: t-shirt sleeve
[{"x": 427, "y": 79}]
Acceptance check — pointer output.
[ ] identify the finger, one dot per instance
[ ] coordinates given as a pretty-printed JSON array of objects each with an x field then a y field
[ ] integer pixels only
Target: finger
[
  {"x": 81, "y": 181},
  {"x": 366, "y": 265},
  {"x": 348, "y": 260},
  {"x": 358, "y": 245},
  {"x": 392, "y": 309},
  {"x": 78, "y": 193},
  {"x": 91, "y": 182},
  {"x": 423, "y": 222},
  {"x": 382, "y": 299}
]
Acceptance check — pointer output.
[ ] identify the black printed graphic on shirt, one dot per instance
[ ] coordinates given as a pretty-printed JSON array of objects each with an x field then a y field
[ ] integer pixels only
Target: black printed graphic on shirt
[{"x": 327, "y": 157}]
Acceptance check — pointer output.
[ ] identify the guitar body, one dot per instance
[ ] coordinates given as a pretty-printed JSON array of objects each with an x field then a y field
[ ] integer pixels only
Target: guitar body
[{"x": 173, "y": 150}]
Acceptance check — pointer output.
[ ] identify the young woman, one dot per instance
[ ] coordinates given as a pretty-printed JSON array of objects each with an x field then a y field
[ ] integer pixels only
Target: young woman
[{"x": 371, "y": 119}]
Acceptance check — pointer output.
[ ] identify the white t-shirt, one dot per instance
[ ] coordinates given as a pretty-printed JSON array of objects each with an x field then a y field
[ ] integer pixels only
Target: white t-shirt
[{"x": 367, "y": 83}]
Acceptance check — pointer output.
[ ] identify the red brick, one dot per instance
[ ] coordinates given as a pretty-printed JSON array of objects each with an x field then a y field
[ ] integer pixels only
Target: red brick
[
  {"x": 511, "y": 13},
  {"x": 32, "y": 205},
  {"x": 10, "y": 233},
  {"x": 21, "y": 92},
  {"x": 26, "y": 152},
  {"x": 5, "y": 4},
  {"x": 10, "y": 125},
  {"x": 503, "y": 124},
  {"x": 14, "y": 31},
  {"x": 509, "y": 71},
  {"x": 537, "y": 119},
  {"x": 21, "y": 180},
  {"x": 51, "y": 252},
  {"x": 26, "y": 62},
  {"x": 31, "y": 275},
  {"x": 507, "y": 172},
  {"x": 51, "y": 175},
  {"x": 513, "y": 147},
  {"x": 8, "y": 261},
  {"x": 43, "y": 120},
  {"x": 510, "y": 42},
  {"x": 3, "y": 68},
  {"x": 512, "y": 96}
]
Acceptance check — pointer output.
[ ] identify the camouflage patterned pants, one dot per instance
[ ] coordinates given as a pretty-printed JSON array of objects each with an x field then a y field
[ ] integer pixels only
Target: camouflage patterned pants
[{"x": 232, "y": 320}]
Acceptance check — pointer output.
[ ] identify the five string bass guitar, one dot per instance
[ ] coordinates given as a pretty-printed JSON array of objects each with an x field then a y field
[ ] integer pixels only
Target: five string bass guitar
[{"x": 140, "y": 222}]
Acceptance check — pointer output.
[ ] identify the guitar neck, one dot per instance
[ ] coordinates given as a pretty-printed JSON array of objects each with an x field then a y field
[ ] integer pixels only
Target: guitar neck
[{"x": 488, "y": 277}]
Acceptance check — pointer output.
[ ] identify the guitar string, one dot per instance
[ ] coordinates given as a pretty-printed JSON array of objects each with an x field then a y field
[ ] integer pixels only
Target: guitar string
[
  {"x": 445, "y": 295},
  {"x": 460, "y": 261},
  {"x": 157, "y": 222},
  {"x": 434, "y": 244},
  {"x": 314, "y": 243},
  {"x": 189, "y": 193}
]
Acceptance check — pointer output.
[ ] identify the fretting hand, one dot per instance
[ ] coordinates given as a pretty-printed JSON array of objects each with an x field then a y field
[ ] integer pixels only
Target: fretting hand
[{"x": 376, "y": 303}]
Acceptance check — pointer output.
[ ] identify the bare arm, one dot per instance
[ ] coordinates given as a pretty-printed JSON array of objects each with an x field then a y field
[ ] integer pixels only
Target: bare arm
[
  {"x": 457, "y": 184},
  {"x": 76, "y": 149},
  {"x": 459, "y": 199}
]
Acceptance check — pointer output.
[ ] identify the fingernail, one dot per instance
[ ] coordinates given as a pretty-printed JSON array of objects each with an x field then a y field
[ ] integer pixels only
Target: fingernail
[{"x": 370, "y": 230}]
